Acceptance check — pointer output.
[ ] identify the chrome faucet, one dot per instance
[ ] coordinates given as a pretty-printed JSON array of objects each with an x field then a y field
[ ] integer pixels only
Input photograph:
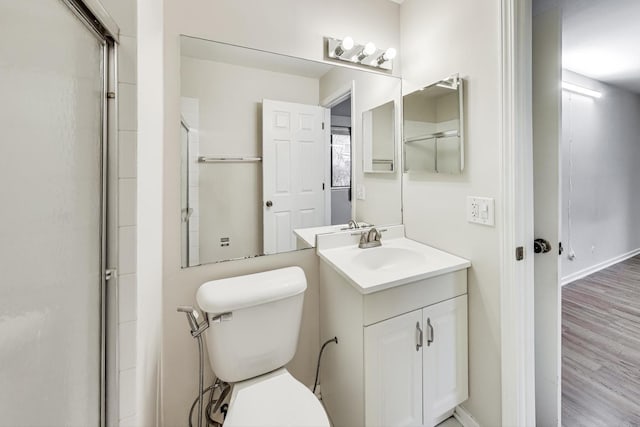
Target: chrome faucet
[
  {"x": 352, "y": 224},
  {"x": 370, "y": 239}
]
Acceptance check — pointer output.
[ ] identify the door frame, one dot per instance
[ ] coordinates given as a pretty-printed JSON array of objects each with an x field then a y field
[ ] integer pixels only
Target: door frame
[
  {"x": 516, "y": 170},
  {"x": 95, "y": 17},
  {"x": 335, "y": 98}
]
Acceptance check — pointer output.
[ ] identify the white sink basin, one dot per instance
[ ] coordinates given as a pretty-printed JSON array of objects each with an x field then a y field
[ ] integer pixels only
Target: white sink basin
[
  {"x": 385, "y": 258},
  {"x": 398, "y": 261}
]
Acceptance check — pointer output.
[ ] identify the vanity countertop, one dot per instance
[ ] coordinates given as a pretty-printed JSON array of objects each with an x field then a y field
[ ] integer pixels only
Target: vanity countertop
[
  {"x": 308, "y": 235},
  {"x": 398, "y": 261}
]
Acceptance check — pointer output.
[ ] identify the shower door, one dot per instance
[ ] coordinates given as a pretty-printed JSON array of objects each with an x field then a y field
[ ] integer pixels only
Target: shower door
[{"x": 52, "y": 67}]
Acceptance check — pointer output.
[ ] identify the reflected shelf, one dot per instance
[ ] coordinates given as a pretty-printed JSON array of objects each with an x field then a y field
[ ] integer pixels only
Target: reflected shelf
[{"x": 220, "y": 159}]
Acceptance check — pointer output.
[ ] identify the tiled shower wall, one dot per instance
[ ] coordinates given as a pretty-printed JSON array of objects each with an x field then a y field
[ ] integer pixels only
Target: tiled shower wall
[{"x": 124, "y": 13}]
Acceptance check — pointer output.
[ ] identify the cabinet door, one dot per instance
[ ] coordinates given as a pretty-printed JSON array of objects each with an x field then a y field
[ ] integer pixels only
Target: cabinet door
[
  {"x": 445, "y": 357},
  {"x": 393, "y": 371}
]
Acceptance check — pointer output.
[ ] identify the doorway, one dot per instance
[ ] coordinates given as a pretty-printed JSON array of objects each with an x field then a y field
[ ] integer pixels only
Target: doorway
[
  {"x": 54, "y": 62},
  {"x": 339, "y": 153},
  {"x": 340, "y": 158},
  {"x": 586, "y": 101}
]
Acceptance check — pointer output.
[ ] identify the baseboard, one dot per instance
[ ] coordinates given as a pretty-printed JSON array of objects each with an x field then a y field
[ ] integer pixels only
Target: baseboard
[
  {"x": 600, "y": 266},
  {"x": 464, "y": 417}
]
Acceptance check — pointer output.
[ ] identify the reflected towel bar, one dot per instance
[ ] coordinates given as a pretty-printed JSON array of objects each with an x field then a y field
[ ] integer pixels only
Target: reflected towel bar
[
  {"x": 433, "y": 135},
  {"x": 205, "y": 159}
]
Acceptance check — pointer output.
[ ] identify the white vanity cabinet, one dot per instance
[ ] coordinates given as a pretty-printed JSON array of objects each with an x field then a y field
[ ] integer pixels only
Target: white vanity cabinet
[
  {"x": 401, "y": 357},
  {"x": 415, "y": 365}
]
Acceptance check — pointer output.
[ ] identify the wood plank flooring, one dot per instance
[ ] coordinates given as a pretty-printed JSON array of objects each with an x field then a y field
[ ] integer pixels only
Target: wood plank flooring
[{"x": 601, "y": 348}]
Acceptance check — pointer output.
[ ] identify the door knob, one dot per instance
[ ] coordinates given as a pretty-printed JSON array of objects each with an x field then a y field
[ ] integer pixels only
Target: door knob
[
  {"x": 269, "y": 203},
  {"x": 541, "y": 246}
]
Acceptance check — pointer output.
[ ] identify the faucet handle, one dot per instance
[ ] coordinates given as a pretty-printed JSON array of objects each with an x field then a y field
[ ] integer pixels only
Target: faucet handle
[{"x": 363, "y": 238}]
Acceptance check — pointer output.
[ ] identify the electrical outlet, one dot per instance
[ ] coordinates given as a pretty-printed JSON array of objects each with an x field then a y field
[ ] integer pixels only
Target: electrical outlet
[
  {"x": 360, "y": 193},
  {"x": 481, "y": 210}
]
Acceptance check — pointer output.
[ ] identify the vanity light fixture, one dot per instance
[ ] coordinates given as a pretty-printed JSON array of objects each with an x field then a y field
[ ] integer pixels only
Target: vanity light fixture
[
  {"x": 361, "y": 54},
  {"x": 581, "y": 90}
]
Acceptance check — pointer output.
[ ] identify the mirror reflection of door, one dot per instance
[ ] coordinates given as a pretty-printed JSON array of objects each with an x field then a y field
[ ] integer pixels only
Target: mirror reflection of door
[
  {"x": 292, "y": 171},
  {"x": 341, "y": 162}
]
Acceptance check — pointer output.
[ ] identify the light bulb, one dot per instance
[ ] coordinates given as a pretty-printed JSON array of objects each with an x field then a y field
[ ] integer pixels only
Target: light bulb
[
  {"x": 343, "y": 46},
  {"x": 347, "y": 43},
  {"x": 369, "y": 49},
  {"x": 390, "y": 54}
]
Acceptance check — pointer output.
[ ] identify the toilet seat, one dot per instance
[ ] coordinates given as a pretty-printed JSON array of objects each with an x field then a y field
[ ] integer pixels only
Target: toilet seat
[{"x": 274, "y": 399}]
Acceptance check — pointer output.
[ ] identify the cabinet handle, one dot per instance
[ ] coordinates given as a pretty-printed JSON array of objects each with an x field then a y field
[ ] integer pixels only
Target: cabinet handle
[
  {"x": 418, "y": 336},
  {"x": 429, "y": 332}
]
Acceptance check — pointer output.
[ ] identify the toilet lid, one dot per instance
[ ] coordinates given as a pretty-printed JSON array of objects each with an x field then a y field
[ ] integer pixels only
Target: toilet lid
[{"x": 274, "y": 399}]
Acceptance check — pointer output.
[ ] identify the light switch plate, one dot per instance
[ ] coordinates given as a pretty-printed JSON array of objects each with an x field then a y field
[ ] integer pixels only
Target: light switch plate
[
  {"x": 360, "y": 192},
  {"x": 481, "y": 210}
]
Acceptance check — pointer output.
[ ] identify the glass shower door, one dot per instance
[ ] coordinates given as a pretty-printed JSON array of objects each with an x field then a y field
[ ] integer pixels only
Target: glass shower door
[{"x": 51, "y": 220}]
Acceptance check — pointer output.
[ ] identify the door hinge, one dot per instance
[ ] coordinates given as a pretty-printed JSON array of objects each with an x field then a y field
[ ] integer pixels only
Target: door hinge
[
  {"x": 109, "y": 274},
  {"x": 322, "y": 125},
  {"x": 560, "y": 248},
  {"x": 111, "y": 95},
  {"x": 519, "y": 253},
  {"x": 323, "y": 185}
]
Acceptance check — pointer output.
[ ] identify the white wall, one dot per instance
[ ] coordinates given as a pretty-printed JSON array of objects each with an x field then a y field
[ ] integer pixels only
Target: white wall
[
  {"x": 150, "y": 199},
  {"x": 600, "y": 154},
  {"x": 294, "y": 27},
  {"x": 230, "y": 124},
  {"x": 439, "y": 39}
]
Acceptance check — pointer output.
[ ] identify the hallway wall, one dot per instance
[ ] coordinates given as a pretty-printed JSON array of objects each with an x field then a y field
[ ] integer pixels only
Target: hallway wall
[{"x": 600, "y": 156}]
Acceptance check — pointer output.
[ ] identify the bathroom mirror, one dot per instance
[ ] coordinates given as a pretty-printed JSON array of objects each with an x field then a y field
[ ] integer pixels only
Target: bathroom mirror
[
  {"x": 379, "y": 139},
  {"x": 433, "y": 128},
  {"x": 272, "y": 147}
]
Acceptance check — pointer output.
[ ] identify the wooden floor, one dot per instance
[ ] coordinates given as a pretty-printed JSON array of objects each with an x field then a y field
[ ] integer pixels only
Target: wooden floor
[{"x": 601, "y": 348}]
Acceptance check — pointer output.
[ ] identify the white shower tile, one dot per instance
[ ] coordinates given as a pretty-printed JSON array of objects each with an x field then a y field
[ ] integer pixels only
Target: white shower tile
[
  {"x": 127, "y": 60},
  {"x": 127, "y": 154},
  {"x": 127, "y": 347},
  {"x": 127, "y": 189},
  {"x": 127, "y": 107},
  {"x": 127, "y": 310},
  {"x": 127, "y": 250},
  {"x": 127, "y": 393}
]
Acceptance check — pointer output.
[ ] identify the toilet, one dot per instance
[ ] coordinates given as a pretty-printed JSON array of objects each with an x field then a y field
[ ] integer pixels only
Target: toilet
[{"x": 254, "y": 326}]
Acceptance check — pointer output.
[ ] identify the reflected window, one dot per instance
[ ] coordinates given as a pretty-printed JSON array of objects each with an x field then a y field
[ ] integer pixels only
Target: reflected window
[{"x": 340, "y": 157}]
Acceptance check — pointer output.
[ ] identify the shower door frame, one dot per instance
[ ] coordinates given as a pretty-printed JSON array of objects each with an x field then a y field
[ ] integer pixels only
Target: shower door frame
[{"x": 93, "y": 15}]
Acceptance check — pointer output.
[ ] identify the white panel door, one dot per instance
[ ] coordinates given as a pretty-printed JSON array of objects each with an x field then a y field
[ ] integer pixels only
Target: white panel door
[
  {"x": 547, "y": 110},
  {"x": 293, "y": 170},
  {"x": 393, "y": 371},
  {"x": 445, "y": 358}
]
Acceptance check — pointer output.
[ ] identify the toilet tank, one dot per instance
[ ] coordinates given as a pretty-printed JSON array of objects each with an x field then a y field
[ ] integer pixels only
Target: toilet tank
[{"x": 254, "y": 321}]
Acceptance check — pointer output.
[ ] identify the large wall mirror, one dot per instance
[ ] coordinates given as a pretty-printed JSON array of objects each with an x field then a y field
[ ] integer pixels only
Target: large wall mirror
[
  {"x": 273, "y": 145},
  {"x": 433, "y": 128}
]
